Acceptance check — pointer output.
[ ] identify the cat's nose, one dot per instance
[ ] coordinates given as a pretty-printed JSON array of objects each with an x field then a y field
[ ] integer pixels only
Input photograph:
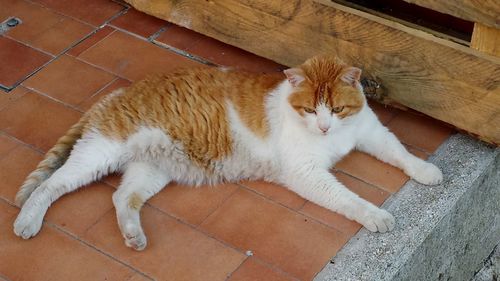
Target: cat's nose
[{"x": 324, "y": 129}]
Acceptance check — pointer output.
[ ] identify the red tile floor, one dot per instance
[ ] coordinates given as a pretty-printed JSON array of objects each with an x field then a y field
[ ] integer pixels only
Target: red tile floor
[{"x": 66, "y": 55}]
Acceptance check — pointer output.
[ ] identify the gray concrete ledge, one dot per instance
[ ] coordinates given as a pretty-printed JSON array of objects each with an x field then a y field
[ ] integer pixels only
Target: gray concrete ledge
[{"x": 442, "y": 232}]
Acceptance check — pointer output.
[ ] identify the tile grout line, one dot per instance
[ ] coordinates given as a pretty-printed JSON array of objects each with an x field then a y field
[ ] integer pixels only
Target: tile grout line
[
  {"x": 72, "y": 17},
  {"x": 88, "y": 244},
  {"x": 205, "y": 233},
  {"x": 265, "y": 195},
  {"x": 96, "y": 93},
  {"x": 276, "y": 268},
  {"x": 227, "y": 245},
  {"x": 298, "y": 211},
  {"x": 102, "y": 68},
  {"x": 140, "y": 37},
  {"x": 29, "y": 45},
  {"x": 99, "y": 218},
  {"x": 183, "y": 53},
  {"x": 369, "y": 183},
  {"x": 30, "y": 146},
  {"x": 12, "y": 101},
  {"x": 4, "y": 277},
  {"x": 228, "y": 276},
  {"x": 64, "y": 51},
  {"x": 155, "y": 35},
  {"x": 90, "y": 47},
  {"x": 38, "y": 92},
  {"x": 214, "y": 210}
]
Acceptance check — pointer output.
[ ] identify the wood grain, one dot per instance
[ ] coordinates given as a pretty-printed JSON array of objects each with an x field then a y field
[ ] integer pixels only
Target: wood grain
[
  {"x": 486, "y": 12},
  {"x": 445, "y": 80},
  {"x": 486, "y": 39}
]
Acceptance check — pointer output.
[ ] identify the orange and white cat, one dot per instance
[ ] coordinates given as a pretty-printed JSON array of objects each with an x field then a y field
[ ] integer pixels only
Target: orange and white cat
[{"x": 211, "y": 125}]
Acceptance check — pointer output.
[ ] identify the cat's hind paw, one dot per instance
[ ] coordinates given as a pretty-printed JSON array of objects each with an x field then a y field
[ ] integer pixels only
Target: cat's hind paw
[
  {"x": 426, "y": 173},
  {"x": 134, "y": 237},
  {"x": 378, "y": 220}
]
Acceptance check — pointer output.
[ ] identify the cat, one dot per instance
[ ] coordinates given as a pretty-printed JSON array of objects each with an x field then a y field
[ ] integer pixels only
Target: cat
[{"x": 212, "y": 125}]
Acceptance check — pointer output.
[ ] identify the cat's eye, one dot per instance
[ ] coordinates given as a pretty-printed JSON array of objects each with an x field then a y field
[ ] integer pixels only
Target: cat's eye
[
  {"x": 309, "y": 110},
  {"x": 337, "y": 109}
]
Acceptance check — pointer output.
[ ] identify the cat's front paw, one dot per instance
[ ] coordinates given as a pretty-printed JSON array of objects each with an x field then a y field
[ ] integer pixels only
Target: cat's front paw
[
  {"x": 426, "y": 173},
  {"x": 27, "y": 224},
  {"x": 378, "y": 220}
]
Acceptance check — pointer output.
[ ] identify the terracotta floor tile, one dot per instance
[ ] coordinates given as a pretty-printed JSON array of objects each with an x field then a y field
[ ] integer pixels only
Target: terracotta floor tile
[
  {"x": 7, "y": 98},
  {"x": 179, "y": 37},
  {"x": 369, "y": 192},
  {"x": 419, "y": 131},
  {"x": 215, "y": 51},
  {"x": 383, "y": 112},
  {"x": 349, "y": 227},
  {"x": 138, "y": 277},
  {"x": 253, "y": 269},
  {"x": 276, "y": 193},
  {"x": 37, "y": 120},
  {"x": 18, "y": 61},
  {"x": 113, "y": 180},
  {"x": 94, "y": 12},
  {"x": 192, "y": 204},
  {"x": 371, "y": 170},
  {"x": 274, "y": 234},
  {"x": 14, "y": 168},
  {"x": 6, "y": 145},
  {"x": 332, "y": 219},
  {"x": 51, "y": 255},
  {"x": 62, "y": 80},
  {"x": 78, "y": 211},
  {"x": 90, "y": 41},
  {"x": 43, "y": 28},
  {"x": 227, "y": 55},
  {"x": 132, "y": 58},
  {"x": 118, "y": 83},
  {"x": 175, "y": 251},
  {"x": 139, "y": 23},
  {"x": 417, "y": 152}
]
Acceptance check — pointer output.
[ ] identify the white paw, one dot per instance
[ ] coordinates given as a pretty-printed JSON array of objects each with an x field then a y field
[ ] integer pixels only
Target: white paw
[
  {"x": 134, "y": 237},
  {"x": 28, "y": 223},
  {"x": 378, "y": 220},
  {"x": 426, "y": 173}
]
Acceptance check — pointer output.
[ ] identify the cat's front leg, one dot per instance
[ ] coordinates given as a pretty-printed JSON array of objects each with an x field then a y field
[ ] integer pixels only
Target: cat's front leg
[
  {"x": 381, "y": 143},
  {"x": 322, "y": 188}
]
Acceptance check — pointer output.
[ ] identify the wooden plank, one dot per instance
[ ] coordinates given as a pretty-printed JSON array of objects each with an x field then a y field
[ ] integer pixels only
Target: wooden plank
[
  {"x": 486, "y": 12},
  {"x": 486, "y": 39},
  {"x": 445, "y": 80}
]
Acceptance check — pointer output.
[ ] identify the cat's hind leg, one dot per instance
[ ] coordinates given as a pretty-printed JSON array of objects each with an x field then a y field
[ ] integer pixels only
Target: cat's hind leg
[
  {"x": 91, "y": 158},
  {"x": 140, "y": 182}
]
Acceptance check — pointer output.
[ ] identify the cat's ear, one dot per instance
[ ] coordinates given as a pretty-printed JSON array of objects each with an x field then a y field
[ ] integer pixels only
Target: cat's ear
[
  {"x": 295, "y": 76},
  {"x": 351, "y": 75}
]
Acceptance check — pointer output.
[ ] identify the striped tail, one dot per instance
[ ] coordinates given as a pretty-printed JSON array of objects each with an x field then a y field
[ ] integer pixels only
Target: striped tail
[{"x": 54, "y": 159}]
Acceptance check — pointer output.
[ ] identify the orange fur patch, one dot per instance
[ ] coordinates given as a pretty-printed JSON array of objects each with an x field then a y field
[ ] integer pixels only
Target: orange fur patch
[
  {"x": 135, "y": 201},
  {"x": 190, "y": 106},
  {"x": 323, "y": 84}
]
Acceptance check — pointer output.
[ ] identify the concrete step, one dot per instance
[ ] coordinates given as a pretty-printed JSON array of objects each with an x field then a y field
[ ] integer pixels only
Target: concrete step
[{"x": 443, "y": 232}]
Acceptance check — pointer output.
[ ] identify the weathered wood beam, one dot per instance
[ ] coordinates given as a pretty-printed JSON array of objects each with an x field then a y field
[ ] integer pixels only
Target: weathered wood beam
[
  {"x": 486, "y": 12},
  {"x": 486, "y": 39},
  {"x": 445, "y": 80}
]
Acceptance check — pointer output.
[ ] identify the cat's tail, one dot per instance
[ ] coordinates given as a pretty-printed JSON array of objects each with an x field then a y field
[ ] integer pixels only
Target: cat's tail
[{"x": 53, "y": 159}]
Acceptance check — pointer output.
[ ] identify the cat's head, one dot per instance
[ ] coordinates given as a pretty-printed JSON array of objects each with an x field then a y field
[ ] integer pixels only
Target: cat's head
[{"x": 326, "y": 92}]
